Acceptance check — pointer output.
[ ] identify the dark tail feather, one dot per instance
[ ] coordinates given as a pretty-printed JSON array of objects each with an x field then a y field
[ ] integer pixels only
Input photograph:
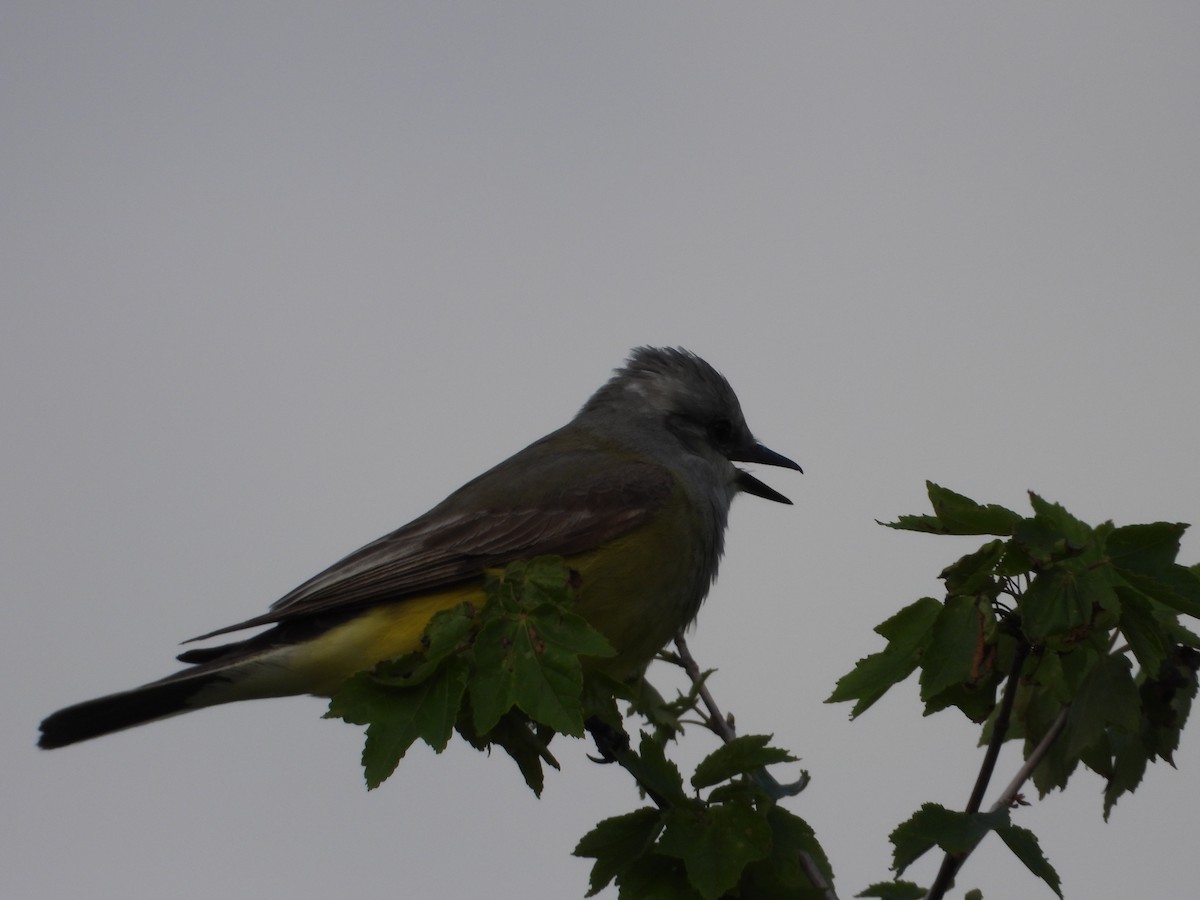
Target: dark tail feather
[{"x": 103, "y": 715}]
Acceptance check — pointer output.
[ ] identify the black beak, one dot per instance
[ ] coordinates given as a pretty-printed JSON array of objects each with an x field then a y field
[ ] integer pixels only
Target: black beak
[{"x": 757, "y": 453}]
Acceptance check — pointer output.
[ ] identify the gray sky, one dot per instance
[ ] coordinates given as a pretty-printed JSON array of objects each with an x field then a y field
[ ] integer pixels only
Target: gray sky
[{"x": 277, "y": 278}]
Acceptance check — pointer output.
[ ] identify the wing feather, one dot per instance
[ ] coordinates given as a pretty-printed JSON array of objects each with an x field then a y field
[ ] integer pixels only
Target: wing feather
[{"x": 541, "y": 501}]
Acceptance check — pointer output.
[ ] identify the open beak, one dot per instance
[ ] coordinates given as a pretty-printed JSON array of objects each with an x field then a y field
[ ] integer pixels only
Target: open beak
[{"x": 757, "y": 453}]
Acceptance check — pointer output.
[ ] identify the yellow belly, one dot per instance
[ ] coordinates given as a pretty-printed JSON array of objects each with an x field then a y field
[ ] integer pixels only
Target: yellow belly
[{"x": 382, "y": 633}]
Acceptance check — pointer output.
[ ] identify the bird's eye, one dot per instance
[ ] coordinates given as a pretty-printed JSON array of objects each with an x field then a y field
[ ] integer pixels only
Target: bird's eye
[{"x": 721, "y": 430}]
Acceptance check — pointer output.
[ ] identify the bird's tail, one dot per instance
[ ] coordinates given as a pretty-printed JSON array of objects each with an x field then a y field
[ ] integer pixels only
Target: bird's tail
[
  {"x": 114, "y": 712},
  {"x": 218, "y": 675}
]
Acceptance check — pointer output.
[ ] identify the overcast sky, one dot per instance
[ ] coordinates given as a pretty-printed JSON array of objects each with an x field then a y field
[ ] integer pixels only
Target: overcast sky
[{"x": 278, "y": 277}]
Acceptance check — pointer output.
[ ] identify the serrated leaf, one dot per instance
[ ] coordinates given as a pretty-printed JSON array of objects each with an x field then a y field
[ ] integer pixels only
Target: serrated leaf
[
  {"x": 1145, "y": 549},
  {"x": 531, "y": 660},
  {"x": 948, "y": 659},
  {"x": 1056, "y": 517},
  {"x": 396, "y": 718},
  {"x": 569, "y": 632},
  {"x": 515, "y": 737},
  {"x": 1049, "y": 675},
  {"x": 1057, "y": 765},
  {"x": 1108, "y": 696},
  {"x": 660, "y": 877},
  {"x": 894, "y": 890},
  {"x": 715, "y": 843},
  {"x": 1178, "y": 588},
  {"x": 616, "y": 843},
  {"x": 962, "y": 515},
  {"x": 956, "y": 514},
  {"x": 975, "y": 572},
  {"x": 1127, "y": 767},
  {"x": 780, "y": 874},
  {"x": 547, "y": 578},
  {"x": 1060, "y": 600},
  {"x": 738, "y": 757},
  {"x": 976, "y": 701},
  {"x": 1024, "y": 845},
  {"x": 908, "y": 633},
  {"x": 657, "y": 773},
  {"x": 1146, "y": 635},
  {"x": 1167, "y": 701},
  {"x": 933, "y": 825},
  {"x": 493, "y": 685}
]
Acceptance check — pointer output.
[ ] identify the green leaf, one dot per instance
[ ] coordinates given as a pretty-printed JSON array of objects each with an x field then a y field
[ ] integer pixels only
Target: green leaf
[
  {"x": 1127, "y": 767},
  {"x": 569, "y": 632},
  {"x": 493, "y": 685},
  {"x": 741, "y": 755},
  {"x": 715, "y": 843},
  {"x": 1178, "y": 589},
  {"x": 617, "y": 843},
  {"x": 1049, "y": 674},
  {"x": 908, "y": 633},
  {"x": 1107, "y": 697},
  {"x": 1061, "y": 600},
  {"x": 1167, "y": 700},
  {"x": 657, "y": 773},
  {"x": 976, "y": 572},
  {"x": 1145, "y": 549},
  {"x": 547, "y": 578},
  {"x": 1147, "y": 637},
  {"x": 1054, "y": 517},
  {"x": 1024, "y": 844},
  {"x": 934, "y": 825},
  {"x": 949, "y": 657},
  {"x": 975, "y": 701},
  {"x": 514, "y": 736},
  {"x": 956, "y": 514},
  {"x": 660, "y": 877},
  {"x": 894, "y": 890},
  {"x": 524, "y": 584},
  {"x": 1057, "y": 765},
  {"x": 780, "y": 874},
  {"x": 531, "y": 661},
  {"x": 395, "y": 718}
]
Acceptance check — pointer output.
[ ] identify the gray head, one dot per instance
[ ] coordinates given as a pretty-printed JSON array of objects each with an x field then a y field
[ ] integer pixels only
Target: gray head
[{"x": 672, "y": 389}]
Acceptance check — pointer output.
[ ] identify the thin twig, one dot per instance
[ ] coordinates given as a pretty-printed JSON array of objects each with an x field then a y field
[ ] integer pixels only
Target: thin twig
[
  {"x": 723, "y": 727},
  {"x": 999, "y": 730},
  {"x": 1009, "y": 794},
  {"x": 952, "y": 862}
]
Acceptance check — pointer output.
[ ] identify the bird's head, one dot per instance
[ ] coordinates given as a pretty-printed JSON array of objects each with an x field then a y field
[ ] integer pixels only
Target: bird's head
[{"x": 671, "y": 390}]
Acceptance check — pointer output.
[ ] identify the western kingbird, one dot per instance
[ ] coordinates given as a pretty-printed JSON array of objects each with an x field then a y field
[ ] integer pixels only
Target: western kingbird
[{"x": 634, "y": 492}]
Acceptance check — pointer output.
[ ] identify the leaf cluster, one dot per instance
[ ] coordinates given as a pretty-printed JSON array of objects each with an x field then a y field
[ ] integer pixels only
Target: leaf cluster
[
  {"x": 724, "y": 837},
  {"x": 1081, "y": 622},
  {"x": 507, "y": 674}
]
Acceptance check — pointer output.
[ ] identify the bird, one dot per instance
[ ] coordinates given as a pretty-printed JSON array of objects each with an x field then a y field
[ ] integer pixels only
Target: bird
[{"x": 634, "y": 493}]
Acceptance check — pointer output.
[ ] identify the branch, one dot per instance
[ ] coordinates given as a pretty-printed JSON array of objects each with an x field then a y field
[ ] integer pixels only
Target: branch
[
  {"x": 1009, "y": 794},
  {"x": 723, "y": 727},
  {"x": 720, "y": 725},
  {"x": 951, "y": 862}
]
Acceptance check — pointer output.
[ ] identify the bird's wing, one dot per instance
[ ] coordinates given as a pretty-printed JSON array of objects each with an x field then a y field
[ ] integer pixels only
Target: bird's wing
[{"x": 539, "y": 502}]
